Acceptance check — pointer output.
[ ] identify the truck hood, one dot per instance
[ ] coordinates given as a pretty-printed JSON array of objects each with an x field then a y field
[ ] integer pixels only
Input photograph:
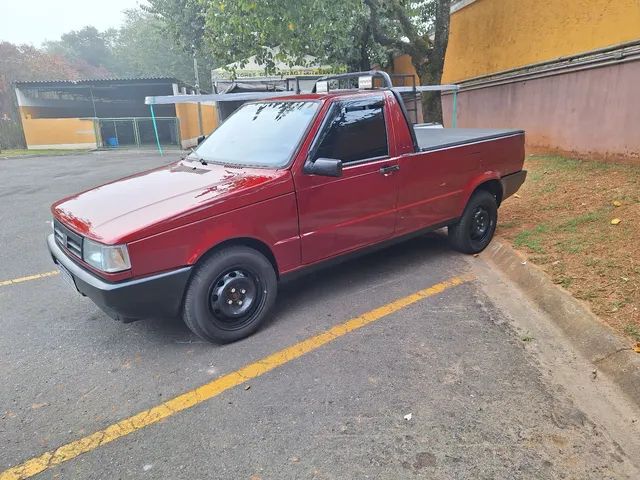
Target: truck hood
[{"x": 167, "y": 197}]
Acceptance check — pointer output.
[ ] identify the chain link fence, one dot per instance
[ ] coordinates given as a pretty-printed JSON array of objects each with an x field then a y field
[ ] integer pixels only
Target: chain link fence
[{"x": 137, "y": 132}]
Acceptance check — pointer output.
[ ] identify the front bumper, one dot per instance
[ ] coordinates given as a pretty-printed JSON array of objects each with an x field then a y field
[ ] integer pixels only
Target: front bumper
[{"x": 154, "y": 296}]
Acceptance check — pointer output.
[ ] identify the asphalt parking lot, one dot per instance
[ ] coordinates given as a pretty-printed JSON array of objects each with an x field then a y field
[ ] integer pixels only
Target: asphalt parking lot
[{"x": 441, "y": 385}]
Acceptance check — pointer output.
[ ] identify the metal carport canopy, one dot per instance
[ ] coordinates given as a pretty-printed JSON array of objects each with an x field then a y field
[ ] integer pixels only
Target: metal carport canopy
[
  {"x": 234, "y": 97},
  {"x": 214, "y": 97}
]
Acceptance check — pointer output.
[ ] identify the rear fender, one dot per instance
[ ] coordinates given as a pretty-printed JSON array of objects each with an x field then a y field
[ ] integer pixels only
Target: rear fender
[{"x": 490, "y": 178}]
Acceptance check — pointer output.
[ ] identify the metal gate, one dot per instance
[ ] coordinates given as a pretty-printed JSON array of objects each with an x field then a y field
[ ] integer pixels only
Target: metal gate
[{"x": 137, "y": 132}]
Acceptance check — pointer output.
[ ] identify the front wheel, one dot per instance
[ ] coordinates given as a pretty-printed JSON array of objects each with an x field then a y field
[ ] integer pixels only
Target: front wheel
[
  {"x": 230, "y": 295},
  {"x": 477, "y": 225}
]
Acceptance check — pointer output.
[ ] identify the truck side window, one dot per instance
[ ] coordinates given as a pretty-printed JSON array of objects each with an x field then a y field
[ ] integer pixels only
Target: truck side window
[{"x": 357, "y": 132}]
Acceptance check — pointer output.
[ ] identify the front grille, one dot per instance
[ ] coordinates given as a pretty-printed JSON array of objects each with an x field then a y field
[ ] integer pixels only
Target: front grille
[{"x": 67, "y": 239}]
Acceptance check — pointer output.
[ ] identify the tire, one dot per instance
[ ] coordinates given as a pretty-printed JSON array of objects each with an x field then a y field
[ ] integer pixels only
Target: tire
[
  {"x": 477, "y": 225},
  {"x": 230, "y": 295}
]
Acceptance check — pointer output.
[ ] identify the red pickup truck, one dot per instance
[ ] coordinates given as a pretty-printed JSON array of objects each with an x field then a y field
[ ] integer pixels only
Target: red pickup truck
[{"x": 283, "y": 184}]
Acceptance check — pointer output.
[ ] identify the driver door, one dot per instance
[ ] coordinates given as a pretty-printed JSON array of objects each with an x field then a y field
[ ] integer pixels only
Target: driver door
[{"x": 337, "y": 215}]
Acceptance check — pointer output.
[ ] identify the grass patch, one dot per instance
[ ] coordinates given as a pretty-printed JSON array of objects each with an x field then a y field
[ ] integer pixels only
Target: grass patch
[
  {"x": 592, "y": 262},
  {"x": 562, "y": 221},
  {"x": 565, "y": 281},
  {"x": 531, "y": 238},
  {"x": 548, "y": 188},
  {"x": 535, "y": 176},
  {"x": 510, "y": 224},
  {"x": 589, "y": 295},
  {"x": 571, "y": 164},
  {"x": 572, "y": 224},
  {"x": 633, "y": 331},
  {"x": 571, "y": 245}
]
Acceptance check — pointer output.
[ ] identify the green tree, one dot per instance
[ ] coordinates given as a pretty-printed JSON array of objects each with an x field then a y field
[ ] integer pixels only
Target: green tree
[
  {"x": 356, "y": 33},
  {"x": 182, "y": 19},
  {"x": 423, "y": 28},
  {"x": 24, "y": 62},
  {"x": 87, "y": 44},
  {"x": 230, "y": 31},
  {"x": 141, "y": 48},
  {"x": 334, "y": 32}
]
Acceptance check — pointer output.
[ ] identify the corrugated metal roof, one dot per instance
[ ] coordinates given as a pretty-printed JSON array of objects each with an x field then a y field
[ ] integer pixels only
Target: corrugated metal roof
[{"x": 95, "y": 81}]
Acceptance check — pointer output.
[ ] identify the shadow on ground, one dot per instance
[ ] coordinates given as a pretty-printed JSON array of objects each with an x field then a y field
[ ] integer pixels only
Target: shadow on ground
[{"x": 324, "y": 282}]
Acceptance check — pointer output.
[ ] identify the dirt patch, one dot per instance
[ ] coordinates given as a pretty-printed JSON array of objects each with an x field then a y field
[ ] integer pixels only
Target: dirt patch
[{"x": 563, "y": 221}]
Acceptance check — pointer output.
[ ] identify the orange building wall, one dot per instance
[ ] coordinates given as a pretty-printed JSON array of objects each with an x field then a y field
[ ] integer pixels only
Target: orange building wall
[
  {"x": 589, "y": 112},
  {"x": 402, "y": 64},
  {"x": 490, "y": 36},
  {"x": 187, "y": 114},
  {"x": 209, "y": 118},
  {"x": 59, "y": 133}
]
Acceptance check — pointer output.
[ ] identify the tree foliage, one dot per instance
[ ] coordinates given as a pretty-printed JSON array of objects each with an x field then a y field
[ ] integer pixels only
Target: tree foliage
[
  {"x": 333, "y": 32},
  {"x": 183, "y": 20},
  {"x": 353, "y": 33},
  {"x": 142, "y": 48},
  {"x": 161, "y": 38},
  {"x": 24, "y": 62},
  {"x": 423, "y": 28},
  {"x": 87, "y": 45}
]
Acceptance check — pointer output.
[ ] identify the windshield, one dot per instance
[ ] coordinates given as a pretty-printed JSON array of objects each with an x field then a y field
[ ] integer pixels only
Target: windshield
[{"x": 259, "y": 134}]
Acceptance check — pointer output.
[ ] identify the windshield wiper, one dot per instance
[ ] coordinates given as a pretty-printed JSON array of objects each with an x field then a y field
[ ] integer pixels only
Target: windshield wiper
[{"x": 197, "y": 157}]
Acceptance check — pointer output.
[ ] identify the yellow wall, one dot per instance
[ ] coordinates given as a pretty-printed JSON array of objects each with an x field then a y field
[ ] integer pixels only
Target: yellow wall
[
  {"x": 490, "y": 36},
  {"x": 187, "y": 114},
  {"x": 59, "y": 133},
  {"x": 402, "y": 64},
  {"x": 209, "y": 118}
]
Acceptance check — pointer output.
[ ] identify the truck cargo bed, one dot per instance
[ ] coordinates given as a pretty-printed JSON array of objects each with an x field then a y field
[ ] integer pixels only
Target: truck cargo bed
[{"x": 436, "y": 138}]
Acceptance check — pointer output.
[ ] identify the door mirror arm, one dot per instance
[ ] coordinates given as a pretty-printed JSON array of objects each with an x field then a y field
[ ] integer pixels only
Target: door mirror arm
[{"x": 326, "y": 167}]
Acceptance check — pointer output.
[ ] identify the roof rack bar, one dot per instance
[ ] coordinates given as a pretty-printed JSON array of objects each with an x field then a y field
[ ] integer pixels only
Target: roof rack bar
[
  {"x": 373, "y": 73},
  {"x": 216, "y": 97},
  {"x": 428, "y": 88}
]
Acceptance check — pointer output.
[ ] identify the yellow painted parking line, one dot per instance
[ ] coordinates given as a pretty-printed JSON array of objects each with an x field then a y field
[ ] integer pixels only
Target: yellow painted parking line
[
  {"x": 13, "y": 281},
  {"x": 216, "y": 387}
]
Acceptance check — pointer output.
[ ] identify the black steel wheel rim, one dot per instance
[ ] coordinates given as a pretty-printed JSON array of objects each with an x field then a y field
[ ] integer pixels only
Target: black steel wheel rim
[
  {"x": 481, "y": 224},
  {"x": 234, "y": 297}
]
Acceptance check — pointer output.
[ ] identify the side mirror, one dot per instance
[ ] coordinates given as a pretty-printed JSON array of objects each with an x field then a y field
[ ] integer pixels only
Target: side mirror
[
  {"x": 326, "y": 167},
  {"x": 201, "y": 139}
]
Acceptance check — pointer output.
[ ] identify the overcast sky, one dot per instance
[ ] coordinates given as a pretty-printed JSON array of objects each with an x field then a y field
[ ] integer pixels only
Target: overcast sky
[{"x": 34, "y": 21}]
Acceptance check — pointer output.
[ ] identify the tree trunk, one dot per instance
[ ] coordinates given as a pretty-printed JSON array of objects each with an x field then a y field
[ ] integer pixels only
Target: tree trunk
[
  {"x": 435, "y": 63},
  {"x": 427, "y": 56},
  {"x": 365, "y": 62},
  {"x": 431, "y": 101},
  {"x": 430, "y": 71}
]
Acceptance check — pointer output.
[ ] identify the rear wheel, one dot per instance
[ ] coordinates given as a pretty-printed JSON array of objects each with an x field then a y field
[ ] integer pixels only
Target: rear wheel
[
  {"x": 230, "y": 295},
  {"x": 477, "y": 225}
]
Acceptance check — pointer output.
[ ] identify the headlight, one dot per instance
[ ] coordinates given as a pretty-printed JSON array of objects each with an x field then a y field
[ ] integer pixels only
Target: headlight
[{"x": 108, "y": 258}]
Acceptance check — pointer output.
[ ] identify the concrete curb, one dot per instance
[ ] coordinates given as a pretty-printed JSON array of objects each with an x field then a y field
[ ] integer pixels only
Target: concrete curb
[
  {"x": 609, "y": 352},
  {"x": 36, "y": 155}
]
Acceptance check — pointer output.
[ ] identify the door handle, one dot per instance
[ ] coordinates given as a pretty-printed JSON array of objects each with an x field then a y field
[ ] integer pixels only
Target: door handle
[{"x": 389, "y": 169}]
